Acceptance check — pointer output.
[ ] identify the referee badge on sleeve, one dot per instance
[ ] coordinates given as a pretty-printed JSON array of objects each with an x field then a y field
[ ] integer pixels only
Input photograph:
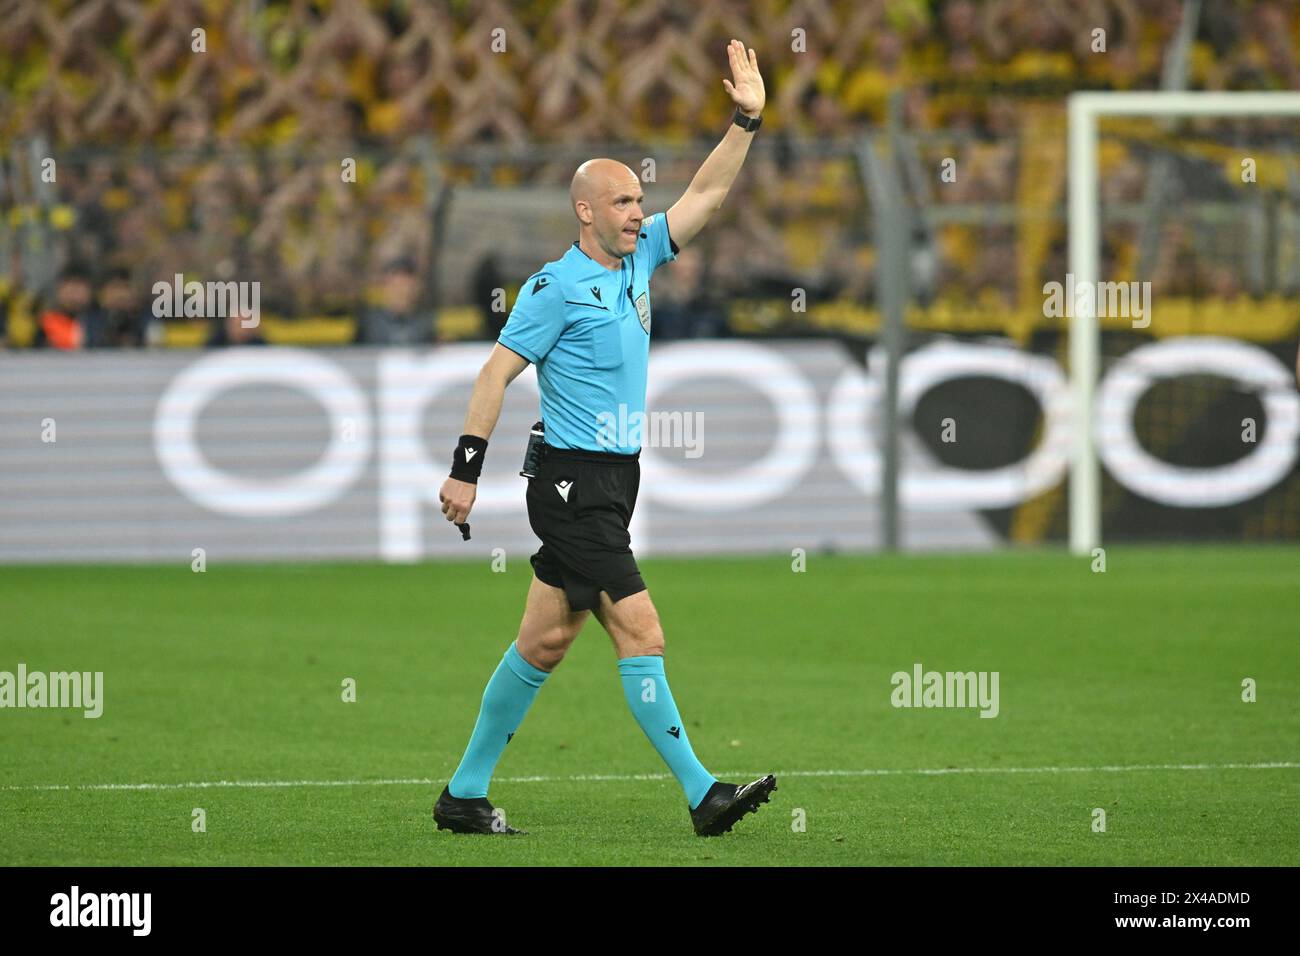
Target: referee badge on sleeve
[{"x": 643, "y": 311}]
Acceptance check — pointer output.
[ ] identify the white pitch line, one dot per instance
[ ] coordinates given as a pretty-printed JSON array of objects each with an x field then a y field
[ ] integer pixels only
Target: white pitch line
[{"x": 583, "y": 778}]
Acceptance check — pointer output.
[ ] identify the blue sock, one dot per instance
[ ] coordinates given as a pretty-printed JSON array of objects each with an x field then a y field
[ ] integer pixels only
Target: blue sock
[
  {"x": 509, "y": 693},
  {"x": 646, "y": 689}
]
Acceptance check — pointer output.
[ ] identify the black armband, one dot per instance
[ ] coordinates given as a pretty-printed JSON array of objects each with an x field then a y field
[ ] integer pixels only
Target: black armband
[{"x": 467, "y": 459}]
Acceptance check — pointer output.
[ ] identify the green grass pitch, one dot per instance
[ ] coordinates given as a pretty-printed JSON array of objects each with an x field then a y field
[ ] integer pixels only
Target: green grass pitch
[{"x": 236, "y": 675}]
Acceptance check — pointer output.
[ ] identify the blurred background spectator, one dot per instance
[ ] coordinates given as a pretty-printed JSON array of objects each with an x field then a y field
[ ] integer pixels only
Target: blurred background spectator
[
  {"x": 120, "y": 320},
  {"x": 684, "y": 306},
  {"x": 397, "y": 318},
  {"x": 240, "y": 327},
  {"x": 71, "y": 320}
]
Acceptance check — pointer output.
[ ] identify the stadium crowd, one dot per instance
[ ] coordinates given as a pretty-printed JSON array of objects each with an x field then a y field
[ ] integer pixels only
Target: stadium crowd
[{"x": 201, "y": 152}]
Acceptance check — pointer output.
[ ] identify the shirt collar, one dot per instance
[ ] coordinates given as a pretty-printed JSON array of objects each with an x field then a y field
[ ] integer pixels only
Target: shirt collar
[{"x": 622, "y": 266}]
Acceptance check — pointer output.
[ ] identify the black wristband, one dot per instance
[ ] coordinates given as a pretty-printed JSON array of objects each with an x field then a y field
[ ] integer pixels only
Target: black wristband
[
  {"x": 467, "y": 459},
  {"x": 747, "y": 123}
]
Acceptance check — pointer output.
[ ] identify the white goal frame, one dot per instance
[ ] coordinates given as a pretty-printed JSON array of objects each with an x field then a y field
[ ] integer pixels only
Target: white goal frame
[{"x": 1083, "y": 213}]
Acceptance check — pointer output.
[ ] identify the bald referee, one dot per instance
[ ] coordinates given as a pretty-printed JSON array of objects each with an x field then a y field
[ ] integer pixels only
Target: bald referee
[{"x": 584, "y": 321}]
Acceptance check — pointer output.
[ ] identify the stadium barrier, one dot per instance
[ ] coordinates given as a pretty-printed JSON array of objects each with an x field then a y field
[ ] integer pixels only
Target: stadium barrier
[{"x": 286, "y": 453}]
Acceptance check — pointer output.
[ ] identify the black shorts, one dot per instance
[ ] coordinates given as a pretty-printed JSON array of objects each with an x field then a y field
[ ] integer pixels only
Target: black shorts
[{"x": 580, "y": 504}]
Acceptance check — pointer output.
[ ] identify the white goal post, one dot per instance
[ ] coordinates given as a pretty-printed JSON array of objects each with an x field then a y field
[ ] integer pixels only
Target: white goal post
[{"x": 1085, "y": 110}]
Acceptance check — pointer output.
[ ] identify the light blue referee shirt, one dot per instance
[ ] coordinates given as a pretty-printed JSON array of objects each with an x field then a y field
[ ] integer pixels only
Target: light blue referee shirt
[{"x": 590, "y": 341}]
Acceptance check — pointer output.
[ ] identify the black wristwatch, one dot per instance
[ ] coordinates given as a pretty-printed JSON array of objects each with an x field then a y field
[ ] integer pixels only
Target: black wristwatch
[{"x": 747, "y": 123}]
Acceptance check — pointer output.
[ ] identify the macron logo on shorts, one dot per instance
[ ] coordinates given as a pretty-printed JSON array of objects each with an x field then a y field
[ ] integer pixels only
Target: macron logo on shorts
[{"x": 563, "y": 488}]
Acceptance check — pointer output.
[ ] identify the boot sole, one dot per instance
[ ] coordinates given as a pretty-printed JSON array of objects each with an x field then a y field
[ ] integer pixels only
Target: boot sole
[{"x": 458, "y": 825}]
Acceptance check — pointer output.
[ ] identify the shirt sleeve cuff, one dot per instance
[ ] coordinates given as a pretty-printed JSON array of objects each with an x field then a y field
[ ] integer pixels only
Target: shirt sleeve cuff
[{"x": 521, "y": 351}]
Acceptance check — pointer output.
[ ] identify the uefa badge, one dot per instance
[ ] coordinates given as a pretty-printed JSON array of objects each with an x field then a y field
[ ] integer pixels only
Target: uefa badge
[{"x": 643, "y": 311}]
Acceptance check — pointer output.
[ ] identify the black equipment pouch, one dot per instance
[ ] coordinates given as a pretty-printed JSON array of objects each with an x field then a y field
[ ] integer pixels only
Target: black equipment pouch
[{"x": 533, "y": 454}]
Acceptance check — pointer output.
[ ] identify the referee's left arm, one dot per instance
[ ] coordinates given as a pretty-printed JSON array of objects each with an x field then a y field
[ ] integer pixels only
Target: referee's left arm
[{"x": 713, "y": 180}]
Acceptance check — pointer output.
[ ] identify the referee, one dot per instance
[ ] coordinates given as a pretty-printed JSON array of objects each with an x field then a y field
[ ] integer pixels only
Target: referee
[{"x": 584, "y": 321}]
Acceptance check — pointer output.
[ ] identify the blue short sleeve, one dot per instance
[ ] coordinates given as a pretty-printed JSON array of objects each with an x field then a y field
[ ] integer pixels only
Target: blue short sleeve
[
  {"x": 658, "y": 245},
  {"x": 536, "y": 321}
]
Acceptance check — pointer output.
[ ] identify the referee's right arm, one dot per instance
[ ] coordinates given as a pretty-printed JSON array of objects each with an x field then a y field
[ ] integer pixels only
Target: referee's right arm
[{"x": 501, "y": 368}]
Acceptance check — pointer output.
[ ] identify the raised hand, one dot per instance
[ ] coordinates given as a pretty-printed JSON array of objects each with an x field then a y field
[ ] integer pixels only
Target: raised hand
[{"x": 746, "y": 85}]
